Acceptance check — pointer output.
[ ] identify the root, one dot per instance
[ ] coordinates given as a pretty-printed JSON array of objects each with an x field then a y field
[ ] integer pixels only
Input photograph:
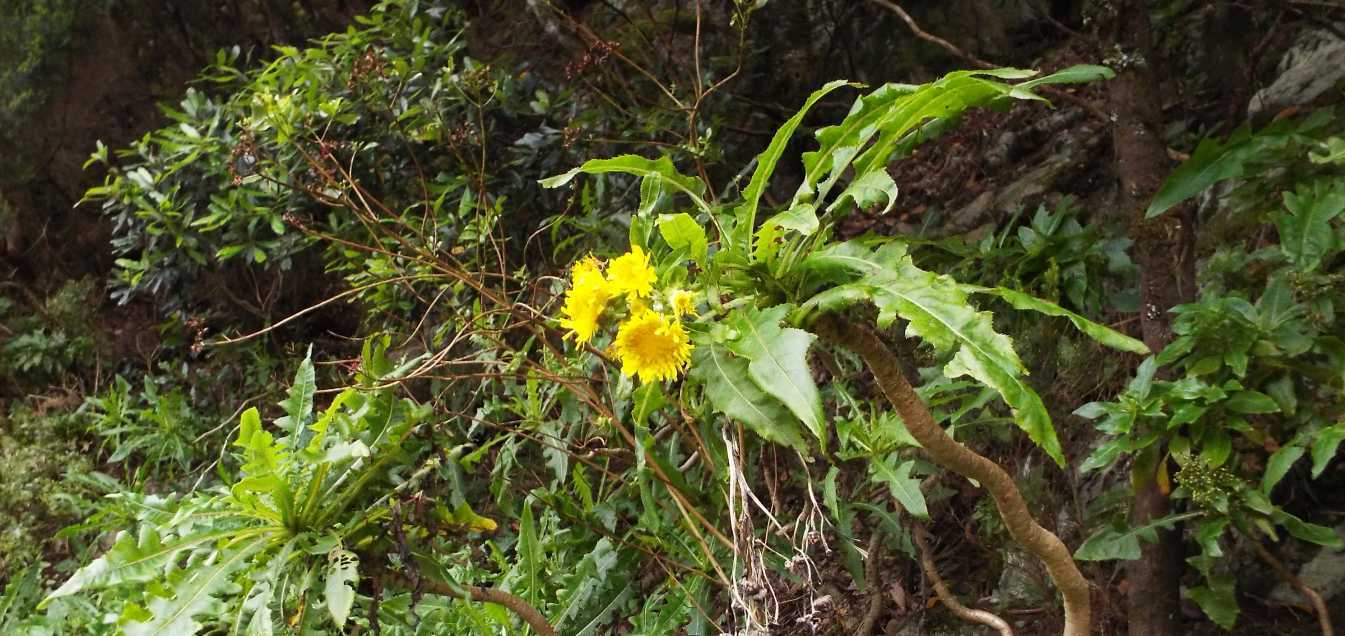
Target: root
[
  {"x": 946, "y": 595},
  {"x": 1318, "y": 604}
]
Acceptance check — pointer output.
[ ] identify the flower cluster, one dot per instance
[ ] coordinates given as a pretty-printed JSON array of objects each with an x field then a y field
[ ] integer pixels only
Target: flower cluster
[{"x": 650, "y": 344}]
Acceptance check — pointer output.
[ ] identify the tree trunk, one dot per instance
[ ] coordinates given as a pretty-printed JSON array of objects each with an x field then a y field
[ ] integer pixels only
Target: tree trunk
[{"x": 1163, "y": 251}]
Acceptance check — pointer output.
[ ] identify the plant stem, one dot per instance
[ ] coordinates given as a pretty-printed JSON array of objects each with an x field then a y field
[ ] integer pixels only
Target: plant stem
[
  {"x": 946, "y": 595},
  {"x": 1318, "y": 605},
  {"x": 958, "y": 458},
  {"x": 530, "y": 615}
]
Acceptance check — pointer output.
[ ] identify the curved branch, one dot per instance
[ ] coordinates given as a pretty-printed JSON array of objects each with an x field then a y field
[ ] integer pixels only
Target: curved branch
[
  {"x": 952, "y": 455},
  {"x": 1318, "y": 605},
  {"x": 513, "y": 603},
  {"x": 946, "y": 595}
]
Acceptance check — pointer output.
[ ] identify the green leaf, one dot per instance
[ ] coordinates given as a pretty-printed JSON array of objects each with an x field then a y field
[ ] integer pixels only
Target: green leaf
[
  {"x": 1110, "y": 543},
  {"x": 1278, "y": 465},
  {"x": 1102, "y": 334},
  {"x": 298, "y": 404},
  {"x": 936, "y": 310},
  {"x": 1332, "y": 151},
  {"x": 661, "y": 169},
  {"x": 1078, "y": 74},
  {"x": 800, "y": 218},
  {"x": 683, "y": 232},
  {"x": 1306, "y": 236},
  {"x": 1217, "y": 448},
  {"x": 132, "y": 559},
  {"x": 904, "y": 488},
  {"x": 1213, "y": 162},
  {"x": 530, "y": 553},
  {"x": 746, "y": 213},
  {"x": 193, "y": 593},
  {"x": 1310, "y": 532},
  {"x": 778, "y": 361},
  {"x": 648, "y": 399},
  {"x": 733, "y": 393},
  {"x": 1251, "y": 402},
  {"x": 1218, "y": 601},
  {"x": 870, "y": 189},
  {"x": 343, "y": 575},
  {"x": 1324, "y": 447}
]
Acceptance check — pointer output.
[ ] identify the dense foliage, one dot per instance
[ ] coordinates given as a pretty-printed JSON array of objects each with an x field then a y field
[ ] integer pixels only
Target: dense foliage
[{"x": 441, "y": 344}]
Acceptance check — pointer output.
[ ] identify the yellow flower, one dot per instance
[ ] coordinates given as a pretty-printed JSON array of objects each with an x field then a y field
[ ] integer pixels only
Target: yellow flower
[
  {"x": 631, "y": 274},
  {"x": 652, "y": 348},
  {"x": 683, "y": 302},
  {"x": 585, "y": 300}
]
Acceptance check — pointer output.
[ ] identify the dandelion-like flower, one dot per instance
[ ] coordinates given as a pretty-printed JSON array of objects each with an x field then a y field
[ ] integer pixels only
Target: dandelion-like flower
[
  {"x": 585, "y": 300},
  {"x": 631, "y": 274},
  {"x": 683, "y": 302},
  {"x": 651, "y": 347}
]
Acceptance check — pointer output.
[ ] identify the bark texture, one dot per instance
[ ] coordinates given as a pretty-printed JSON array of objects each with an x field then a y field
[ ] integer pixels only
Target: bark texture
[
  {"x": 956, "y": 457},
  {"x": 1163, "y": 251}
]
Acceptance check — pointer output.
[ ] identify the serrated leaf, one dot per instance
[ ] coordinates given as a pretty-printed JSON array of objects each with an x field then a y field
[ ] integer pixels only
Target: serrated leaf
[
  {"x": 937, "y": 311},
  {"x": 342, "y": 575},
  {"x": 1306, "y": 236},
  {"x": 132, "y": 559},
  {"x": 800, "y": 218},
  {"x": 1218, "y": 600},
  {"x": 1102, "y": 334},
  {"x": 683, "y": 232},
  {"x": 904, "y": 488},
  {"x": 733, "y": 393},
  {"x": 530, "y": 553},
  {"x": 298, "y": 403},
  {"x": 870, "y": 189},
  {"x": 778, "y": 362},
  {"x": 192, "y": 594}
]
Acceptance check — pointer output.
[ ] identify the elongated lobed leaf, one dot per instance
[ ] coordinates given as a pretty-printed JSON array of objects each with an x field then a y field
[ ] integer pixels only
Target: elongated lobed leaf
[
  {"x": 732, "y": 392},
  {"x": 193, "y": 594},
  {"x": 1102, "y": 334},
  {"x": 746, "y": 213},
  {"x": 661, "y": 169},
  {"x": 133, "y": 559},
  {"x": 778, "y": 363},
  {"x": 1306, "y": 235},
  {"x": 937, "y": 311}
]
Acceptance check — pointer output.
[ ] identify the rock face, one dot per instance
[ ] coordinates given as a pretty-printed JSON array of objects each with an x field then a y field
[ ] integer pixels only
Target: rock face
[{"x": 1309, "y": 69}]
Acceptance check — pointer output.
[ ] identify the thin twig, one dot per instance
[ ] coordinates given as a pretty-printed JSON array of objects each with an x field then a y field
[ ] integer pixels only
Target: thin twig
[
  {"x": 1092, "y": 109},
  {"x": 1318, "y": 605},
  {"x": 535, "y": 619},
  {"x": 946, "y": 596}
]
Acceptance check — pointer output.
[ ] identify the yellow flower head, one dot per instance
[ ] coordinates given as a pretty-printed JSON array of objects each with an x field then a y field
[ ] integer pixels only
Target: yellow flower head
[
  {"x": 652, "y": 348},
  {"x": 585, "y": 300},
  {"x": 631, "y": 274},
  {"x": 683, "y": 302}
]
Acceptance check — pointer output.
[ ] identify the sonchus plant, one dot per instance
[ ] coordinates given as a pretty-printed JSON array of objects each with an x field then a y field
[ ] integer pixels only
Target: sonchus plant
[
  {"x": 280, "y": 545},
  {"x": 738, "y": 302}
]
